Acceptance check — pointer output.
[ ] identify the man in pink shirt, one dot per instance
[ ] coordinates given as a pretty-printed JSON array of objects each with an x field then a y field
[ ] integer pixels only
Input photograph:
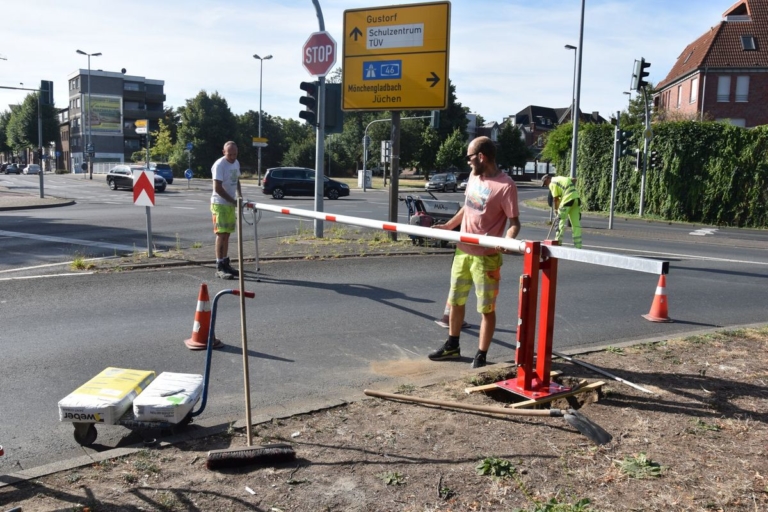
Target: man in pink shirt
[{"x": 490, "y": 204}]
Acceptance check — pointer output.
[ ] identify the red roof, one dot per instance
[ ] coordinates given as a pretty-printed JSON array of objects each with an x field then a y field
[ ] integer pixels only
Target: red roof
[{"x": 721, "y": 46}]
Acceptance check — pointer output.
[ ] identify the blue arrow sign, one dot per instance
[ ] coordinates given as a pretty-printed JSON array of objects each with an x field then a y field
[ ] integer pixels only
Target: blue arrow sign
[{"x": 188, "y": 174}]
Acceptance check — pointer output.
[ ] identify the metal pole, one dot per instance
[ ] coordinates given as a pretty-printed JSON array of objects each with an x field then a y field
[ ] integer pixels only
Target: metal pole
[
  {"x": 645, "y": 151},
  {"x": 88, "y": 147},
  {"x": 319, "y": 135},
  {"x": 149, "y": 217},
  {"x": 395, "y": 169},
  {"x": 365, "y": 153},
  {"x": 615, "y": 167},
  {"x": 261, "y": 70},
  {"x": 579, "y": 51},
  {"x": 40, "y": 141}
]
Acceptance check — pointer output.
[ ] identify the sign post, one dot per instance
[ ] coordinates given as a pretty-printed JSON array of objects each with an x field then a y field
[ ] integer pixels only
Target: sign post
[{"x": 318, "y": 58}]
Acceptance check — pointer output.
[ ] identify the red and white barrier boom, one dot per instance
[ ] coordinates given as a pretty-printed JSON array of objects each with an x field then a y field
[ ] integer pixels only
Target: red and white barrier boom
[{"x": 539, "y": 271}]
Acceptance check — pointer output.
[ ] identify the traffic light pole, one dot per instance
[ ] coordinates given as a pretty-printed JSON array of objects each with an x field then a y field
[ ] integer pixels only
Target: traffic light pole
[
  {"x": 616, "y": 149},
  {"x": 320, "y": 136},
  {"x": 646, "y": 137}
]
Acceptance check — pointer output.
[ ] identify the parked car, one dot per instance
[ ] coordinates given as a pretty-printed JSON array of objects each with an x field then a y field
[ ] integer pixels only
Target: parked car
[
  {"x": 12, "y": 169},
  {"x": 299, "y": 181},
  {"x": 32, "y": 169},
  {"x": 463, "y": 184},
  {"x": 443, "y": 182},
  {"x": 163, "y": 170},
  {"x": 121, "y": 176}
]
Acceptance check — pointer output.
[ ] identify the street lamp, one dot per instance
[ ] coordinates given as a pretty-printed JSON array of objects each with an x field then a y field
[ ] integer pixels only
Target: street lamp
[
  {"x": 89, "y": 147},
  {"x": 574, "y": 111},
  {"x": 629, "y": 98},
  {"x": 577, "y": 80},
  {"x": 261, "y": 68}
]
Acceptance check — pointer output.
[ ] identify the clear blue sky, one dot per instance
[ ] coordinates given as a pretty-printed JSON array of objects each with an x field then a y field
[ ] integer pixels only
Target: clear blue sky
[{"x": 504, "y": 55}]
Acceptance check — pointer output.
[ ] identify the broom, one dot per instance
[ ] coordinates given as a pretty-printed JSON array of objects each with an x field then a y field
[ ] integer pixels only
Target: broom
[{"x": 261, "y": 455}]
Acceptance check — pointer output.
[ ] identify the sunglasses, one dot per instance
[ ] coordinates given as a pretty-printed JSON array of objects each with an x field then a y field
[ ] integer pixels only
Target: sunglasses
[{"x": 469, "y": 157}]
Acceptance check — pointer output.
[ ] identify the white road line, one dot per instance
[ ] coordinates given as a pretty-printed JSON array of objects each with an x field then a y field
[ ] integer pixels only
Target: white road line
[
  {"x": 689, "y": 256},
  {"x": 48, "y": 265},
  {"x": 71, "y": 241},
  {"x": 703, "y": 232},
  {"x": 183, "y": 208},
  {"x": 42, "y": 277}
]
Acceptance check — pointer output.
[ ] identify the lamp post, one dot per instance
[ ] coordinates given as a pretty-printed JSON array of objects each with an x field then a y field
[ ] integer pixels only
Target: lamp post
[
  {"x": 577, "y": 79},
  {"x": 261, "y": 68},
  {"x": 574, "y": 112},
  {"x": 89, "y": 147}
]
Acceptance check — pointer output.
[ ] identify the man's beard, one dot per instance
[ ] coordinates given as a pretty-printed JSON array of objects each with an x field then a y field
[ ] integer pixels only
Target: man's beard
[{"x": 479, "y": 170}]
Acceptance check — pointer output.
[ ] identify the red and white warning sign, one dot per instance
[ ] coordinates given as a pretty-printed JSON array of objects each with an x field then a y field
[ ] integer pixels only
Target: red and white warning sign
[{"x": 144, "y": 188}]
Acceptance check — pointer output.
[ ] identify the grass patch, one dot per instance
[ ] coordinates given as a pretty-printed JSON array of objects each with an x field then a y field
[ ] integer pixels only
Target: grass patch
[
  {"x": 495, "y": 467},
  {"x": 406, "y": 389},
  {"x": 392, "y": 478},
  {"x": 79, "y": 263},
  {"x": 639, "y": 466}
]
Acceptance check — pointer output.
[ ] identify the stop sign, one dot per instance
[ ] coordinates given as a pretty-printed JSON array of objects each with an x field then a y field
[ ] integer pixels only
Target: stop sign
[{"x": 319, "y": 53}]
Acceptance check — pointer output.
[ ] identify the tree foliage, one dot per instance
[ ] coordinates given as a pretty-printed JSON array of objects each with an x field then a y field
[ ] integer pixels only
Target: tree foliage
[
  {"x": 512, "y": 151},
  {"x": 206, "y": 122},
  {"x": 22, "y": 126},
  {"x": 453, "y": 152}
]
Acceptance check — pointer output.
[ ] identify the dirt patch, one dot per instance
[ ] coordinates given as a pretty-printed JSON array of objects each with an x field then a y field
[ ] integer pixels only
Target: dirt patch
[{"x": 699, "y": 443}]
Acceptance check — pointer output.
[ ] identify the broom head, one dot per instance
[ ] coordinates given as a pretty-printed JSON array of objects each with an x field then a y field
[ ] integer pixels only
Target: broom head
[{"x": 264, "y": 455}]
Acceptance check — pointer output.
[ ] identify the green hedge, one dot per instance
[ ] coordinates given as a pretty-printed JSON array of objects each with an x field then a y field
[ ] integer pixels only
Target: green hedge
[{"x": 712, "y": 173}]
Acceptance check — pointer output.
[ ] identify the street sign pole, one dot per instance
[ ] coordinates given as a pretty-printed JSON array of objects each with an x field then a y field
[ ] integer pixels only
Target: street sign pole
[{"x": 149, "y": 215}]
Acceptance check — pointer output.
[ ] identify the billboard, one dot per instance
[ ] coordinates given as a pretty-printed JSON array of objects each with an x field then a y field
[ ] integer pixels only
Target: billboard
[{"x": 106, "y": 114}]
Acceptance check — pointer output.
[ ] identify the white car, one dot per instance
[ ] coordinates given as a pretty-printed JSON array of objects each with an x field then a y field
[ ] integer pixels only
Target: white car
[{"x": 32, "y": 169}]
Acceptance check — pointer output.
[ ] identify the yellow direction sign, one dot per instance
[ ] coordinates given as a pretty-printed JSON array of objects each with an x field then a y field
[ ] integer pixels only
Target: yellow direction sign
[
  {"x": 141, "y": 126},
  {"x": 259, "y": 142},
  {"x": 396, "y": 57}
]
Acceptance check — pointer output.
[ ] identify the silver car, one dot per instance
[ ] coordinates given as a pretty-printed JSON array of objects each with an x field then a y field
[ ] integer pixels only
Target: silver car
[{"x": 32, "y": 169}]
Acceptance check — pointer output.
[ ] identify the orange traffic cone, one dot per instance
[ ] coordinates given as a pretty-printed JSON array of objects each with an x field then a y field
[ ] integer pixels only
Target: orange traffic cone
[
  {"x": 658, "y": 312},
  {"x": 199, "y": 339}
]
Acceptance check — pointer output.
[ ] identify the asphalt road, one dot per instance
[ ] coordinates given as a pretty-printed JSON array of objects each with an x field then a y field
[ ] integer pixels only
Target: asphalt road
[{"x": 324, "y": 330}]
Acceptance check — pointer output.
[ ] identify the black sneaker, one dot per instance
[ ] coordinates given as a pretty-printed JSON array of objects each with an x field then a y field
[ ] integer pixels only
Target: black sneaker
[
  {"x": 229, "y": 268},
  {"x": 445, "y": 352},
  {"x": 479, "y": 360},
  {"x": 222, "y": 272}
]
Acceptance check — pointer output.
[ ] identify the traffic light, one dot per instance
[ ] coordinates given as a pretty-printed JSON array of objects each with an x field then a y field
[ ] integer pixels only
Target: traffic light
[
  {"x": 334, "y": 117},
  {"x": 624, "y": 136},
  {"x": 638, "y": 77},
  {"x": 309, "y": 101},
  {"x": 142, "y": 141},
  {"x": 653, "y": 160},
  {"x": 434, "y": 121},
  {"x": 636, "y": 158},
  {"x": 46, "y": 92}
]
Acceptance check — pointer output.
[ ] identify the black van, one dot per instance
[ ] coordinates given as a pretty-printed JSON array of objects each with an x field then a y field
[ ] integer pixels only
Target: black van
[{"x": 299, "y": 181}]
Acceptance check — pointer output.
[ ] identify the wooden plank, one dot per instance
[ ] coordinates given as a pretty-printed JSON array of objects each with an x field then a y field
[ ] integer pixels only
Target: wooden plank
[
  {"x": 547, "y": 399},
  {"x": 489, "y": 387}
]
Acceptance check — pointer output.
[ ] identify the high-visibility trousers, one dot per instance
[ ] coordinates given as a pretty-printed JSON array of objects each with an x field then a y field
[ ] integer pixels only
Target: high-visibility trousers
[{"x": 571, "y": 211}]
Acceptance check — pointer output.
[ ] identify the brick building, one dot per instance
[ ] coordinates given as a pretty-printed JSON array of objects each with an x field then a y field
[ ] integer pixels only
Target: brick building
[{"x": 722, "y": 75}]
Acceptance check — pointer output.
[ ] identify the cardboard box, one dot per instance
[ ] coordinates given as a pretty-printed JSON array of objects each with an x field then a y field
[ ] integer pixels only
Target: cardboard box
[
  {"x": 182, "y": 391},
  {"x": 106, "y": 397}
]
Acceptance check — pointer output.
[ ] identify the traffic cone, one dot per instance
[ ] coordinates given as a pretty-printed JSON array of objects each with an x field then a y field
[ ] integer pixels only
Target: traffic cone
[
  {"x": 200, "y": 328},
  {"x": 658, "y": 312}
]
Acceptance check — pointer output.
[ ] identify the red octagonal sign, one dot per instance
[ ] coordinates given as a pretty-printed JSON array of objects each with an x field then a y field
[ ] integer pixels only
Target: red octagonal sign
[{"x": 319, "y": 53}]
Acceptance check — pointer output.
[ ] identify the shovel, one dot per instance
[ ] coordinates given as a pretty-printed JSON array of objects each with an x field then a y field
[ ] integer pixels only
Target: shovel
[{"x": 587, "y": 427}]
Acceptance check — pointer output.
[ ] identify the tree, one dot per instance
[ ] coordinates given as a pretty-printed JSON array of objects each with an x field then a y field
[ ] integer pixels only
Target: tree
[
  {"x": 635, "y": 111},
  {"x": 206, "y": 122},
  {"x": 428, "y": 148},
  {"x": 5, "y": 116},
  {"x": 22, "y": 127},
  {"x": 453, "y": 152},
  {"x": 160, "y": 146},
  {"x": 512, "y": 151}
]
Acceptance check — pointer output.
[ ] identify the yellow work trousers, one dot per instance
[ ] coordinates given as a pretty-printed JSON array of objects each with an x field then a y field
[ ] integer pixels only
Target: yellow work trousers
[{"x": 571, "y": 211}]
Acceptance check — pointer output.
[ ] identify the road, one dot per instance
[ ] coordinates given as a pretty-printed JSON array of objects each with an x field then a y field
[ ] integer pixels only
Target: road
[{"x": 324, "y": 330}]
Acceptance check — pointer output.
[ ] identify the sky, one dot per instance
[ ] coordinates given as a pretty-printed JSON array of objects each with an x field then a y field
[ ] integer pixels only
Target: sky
[{"x": 504, "y": 54}]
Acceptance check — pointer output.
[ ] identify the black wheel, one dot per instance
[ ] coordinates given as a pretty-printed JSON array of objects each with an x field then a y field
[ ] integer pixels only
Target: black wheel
[
  {"x": 333, "y": 194},
  {"x": 85, "y": 433},
  {"x": 112, "y": 184},
  {"x": 278, "y": 193},
  {"x": 160, "y": 189}
]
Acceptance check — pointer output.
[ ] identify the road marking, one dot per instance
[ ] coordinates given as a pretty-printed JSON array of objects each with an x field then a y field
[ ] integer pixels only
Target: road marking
[
  {"x": 690, "y": 256},
  {"x": 71, "y": 241},
  {"x": 48, "y": 265},
  {"x": 703, "y": 232},
  {"x": 183, "y": 207},
  {"x": 41, "y": 277}
]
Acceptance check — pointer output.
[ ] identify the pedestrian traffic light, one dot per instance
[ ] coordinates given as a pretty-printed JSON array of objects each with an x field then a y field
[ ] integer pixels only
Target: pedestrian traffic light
[
  {"x": 309, "y": 101},
  {"x": 142, "y": 141},
  {"x": 638, "y": 77}
]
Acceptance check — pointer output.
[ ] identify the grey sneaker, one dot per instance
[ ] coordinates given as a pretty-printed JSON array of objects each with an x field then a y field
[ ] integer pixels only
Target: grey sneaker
[
  {"x": 445, "y": 352},
  {"x": 222, "y": 272},
  {"x": 479, "y": 360}
]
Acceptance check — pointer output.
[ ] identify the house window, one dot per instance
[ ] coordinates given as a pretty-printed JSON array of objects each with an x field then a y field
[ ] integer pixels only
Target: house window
[
  {"x": 742, "y": 88},
  {"x": 694, "y": 89},
  {"x": 723, "y": 88},
  {"x": 742, "y": 123},
  {"x": 679, "y": 95},
  {"x": 748, "y": 43}
]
